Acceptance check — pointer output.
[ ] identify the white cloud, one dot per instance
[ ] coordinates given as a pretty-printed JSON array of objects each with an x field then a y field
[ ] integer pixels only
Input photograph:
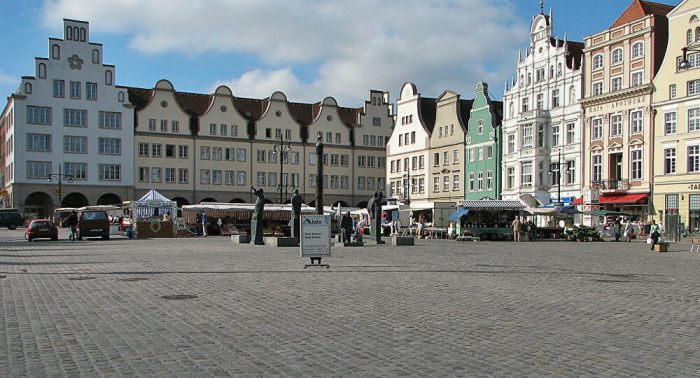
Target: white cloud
[
  {"x": 5, "y": 79},
  {"x": 355, "y": 45}
]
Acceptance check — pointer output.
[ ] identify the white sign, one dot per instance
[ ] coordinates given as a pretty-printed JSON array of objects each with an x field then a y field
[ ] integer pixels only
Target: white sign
[
  {"x": 154, "y": 203},
  {"x": 315, "y": 236},
  {"x": 591, "y": 196}
]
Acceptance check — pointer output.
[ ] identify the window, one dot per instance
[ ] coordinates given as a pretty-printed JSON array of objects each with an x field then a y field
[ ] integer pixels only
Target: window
[
  {"x": 597, "y": 167},
  {"x": 446, "y": 158},
  {"x": 183, "y": 152},
  {"x": 156, "y": 150},
  {"x": 436, "y": 157},
  {"x": 95, "y": 56},
  {"x": 59, "y": 88},
  {"x": 446, "y": 183},
  {"x": 540, "y": 101},
  {"x": 74, "y": 118},
  {"x": 406, "y": 139},
  {"x": 616, "y": 84},
  {"x": 455, "y": 158},
  {"x": 616, "y": 125},
  {"x": 329, "y": 137},
  {"x": 472, "y": 154},
  {"x": 598, "y": 88},
  {"x": 555, "y": 98},
  {"x": 360, "y": 182},
  {"x": 636, "y": 163},
  {"x": 234, "y": 130},
  {"x": 75, "y": 89},
  {"x": 183, "y": 175},
  {"x": 540, "y": 75},
  {"x": 55, "y": 52},
  {"x": 108, "y": 77},
  {"x": 335, "y": 180},
  {"x": 272, "y": 179},
  {"x": 480, "y": 127},
  {"x": 672, "y": 91},
  {"x": 637, "y": 78},
  {"x": 109, "y": 172},
  {"x": 598, "y": 61},
  {"x": 511, "y": 143},
  {"x": 480, "y": 153},
  {"x": 510, "y": 175},
  {"x": 230, "y": 177},
  {"x": 216, "y": 177},
  {"x": 413, "y": 137},
  {"x": 376, "y": 121},
  {"x": 74, "y": 144},
  {"x": 144, "y": 174},
  {"x": 489, "y": 152},
  {"x": 693, "y": 159},
  {"x": 344, "y": 160},
  {"x": 212, "y": 129},
  {"x": 694, "y": 119},
  {"x": 344, "y": 180},
  {"x": 636, "y": 122},
  {"x": 169, "y": 150},
  {"x": 164, "y": 125},
  {"x": 526, "y": 173},
  {"x": 527, "y": 137},
  {"x": 489, "y": 180},
  {"x": 436, "y": 184},
  {"x": 541, "y": 141},
  {"x": 40, "y": 115},
  {"x": 38, "y": 169},
  {"x": 694, "y": 87},
  {"x": 241, "y": 154},
  {"x": 170, "y": 175},
  {"x": 144, "y": 149},
  {"x": 151, "y": 124},
  {"x": 261, "y": 156},
  {"x": 421, "y": 162},
  {"x": 360, "y": 161},
  {"x": 155, "y": 175},
  {"x": 216, "y": 153},
  {"x": 597, "y": 129},
  {"x": 381, "y": 161},
  {"x": 288, "y": 134},
  {"x": 260, "y": 179},
  {"x": 335, "y": 159},
  {"x": 571, "y": 174},
  {"x": 110, "y": 146},
  {"x": 109, "y": 120},
  {"x": 240, "y": 178},
  {"x": 175, "y": 126},
  {"x": 338, "y": 138},
  {"x": 480, "y": 181},
  {"x": 91, "y": 91},
  {"x": 42, "y": 71},
  {"x": 637, "y": 50},
  {"x": 616, "y": 56},
  {"x": 555, "y": 135},
  {"x": 230, "y": 154},
  {"x": 669, "y": 160},
  {"x": 670, "y": 123},
  {"x": 204, "y": 153},
  {"x": 39, "y": 142},
  {"x": 525, "y": 104}
]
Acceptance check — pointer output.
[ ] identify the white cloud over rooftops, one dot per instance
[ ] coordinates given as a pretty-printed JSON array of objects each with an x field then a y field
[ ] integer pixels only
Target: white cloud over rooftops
[{"x": 353, "y": 45}]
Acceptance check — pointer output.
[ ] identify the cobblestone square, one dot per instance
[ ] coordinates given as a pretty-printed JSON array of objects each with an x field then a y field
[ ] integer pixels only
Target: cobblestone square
[{"x": 205, "y": 307}]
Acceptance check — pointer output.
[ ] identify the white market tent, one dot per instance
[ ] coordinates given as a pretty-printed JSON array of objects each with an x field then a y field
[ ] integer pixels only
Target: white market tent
[{"x": 152, "y": 204}]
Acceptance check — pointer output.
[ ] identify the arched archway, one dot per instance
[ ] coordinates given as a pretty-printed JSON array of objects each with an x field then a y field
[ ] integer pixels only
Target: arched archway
[
  {"x": 181, "y": 201},
  {"x": 341, "y": 203},
  {"x": 75, "y": 199},
  {"x": 362, "y": 204},
  {"x": 38, "y": 205},
  {"x": 237, "y": 200},
  {"x": 109, "y": 199},
  {"x": 208, "y": 199}
]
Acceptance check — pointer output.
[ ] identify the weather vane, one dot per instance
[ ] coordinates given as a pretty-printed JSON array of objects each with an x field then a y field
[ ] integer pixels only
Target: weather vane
[{"x": 541, "y": 7}]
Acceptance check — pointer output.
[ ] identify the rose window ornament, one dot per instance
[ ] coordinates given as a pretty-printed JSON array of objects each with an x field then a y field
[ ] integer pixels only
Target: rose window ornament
[{"x": 75, "y": 62}]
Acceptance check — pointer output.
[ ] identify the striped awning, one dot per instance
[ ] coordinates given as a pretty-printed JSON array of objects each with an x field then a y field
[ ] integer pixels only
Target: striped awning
[{"x": 492, "y": 205}]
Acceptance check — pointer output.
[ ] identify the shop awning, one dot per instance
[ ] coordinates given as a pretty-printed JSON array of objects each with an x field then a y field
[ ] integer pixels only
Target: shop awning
[
  {"x": 492, "y": 205},
  {"x": 458, "y": 214},
  {"x": 617, "y": 198}
]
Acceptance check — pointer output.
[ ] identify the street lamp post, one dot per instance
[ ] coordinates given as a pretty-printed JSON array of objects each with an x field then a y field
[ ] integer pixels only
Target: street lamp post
[
  {"x": 280, "y": 150},
  {"x": 692, "y": 47},
  {"x": 407, "y": 187},
  {"x": 60, "y": 176},
  {"x": 558, "y": 167}
]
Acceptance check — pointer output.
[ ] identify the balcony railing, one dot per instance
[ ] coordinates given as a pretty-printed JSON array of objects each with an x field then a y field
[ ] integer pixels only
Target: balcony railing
[
  {"x": 536, "y": 113},
  {"x": 611, "y": 185}
]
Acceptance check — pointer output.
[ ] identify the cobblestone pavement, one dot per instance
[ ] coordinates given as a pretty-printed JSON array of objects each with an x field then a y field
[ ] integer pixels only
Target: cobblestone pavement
[{"x": 440, "y": 308}]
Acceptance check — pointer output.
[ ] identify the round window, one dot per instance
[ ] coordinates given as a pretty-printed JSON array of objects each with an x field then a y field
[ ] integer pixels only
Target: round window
[
  {"x": 164, "y": 104},
  {"x": 224, "y": 109},
  {"x": 278, "y": 113},
  {"x": 329, "y": 118}
]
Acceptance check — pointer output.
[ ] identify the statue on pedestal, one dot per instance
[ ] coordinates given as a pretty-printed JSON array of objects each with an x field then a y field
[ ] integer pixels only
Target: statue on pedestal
[
  {"x": 297, "y": 201},
  {"x": 256, "y": 224},
  {"x": 374, "y": 208}
]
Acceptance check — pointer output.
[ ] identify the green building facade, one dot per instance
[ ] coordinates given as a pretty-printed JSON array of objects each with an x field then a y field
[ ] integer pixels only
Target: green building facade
[{"x": 483, "y": 148}]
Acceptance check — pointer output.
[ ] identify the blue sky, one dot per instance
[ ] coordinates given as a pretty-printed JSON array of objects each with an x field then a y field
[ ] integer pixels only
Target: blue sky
[{"x": 308, "y": 49}]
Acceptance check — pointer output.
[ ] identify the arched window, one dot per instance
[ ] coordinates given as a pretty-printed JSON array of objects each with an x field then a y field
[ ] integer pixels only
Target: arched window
[
  {"x": 42, "y": 71},
  {"x": 69, "y": 33},
  {"x": 83, "y": 34},
  {"x": 616, "y": 56},
  {"x": 28, "y": 88},
  {"x": 120, "y": 97},
  {"x": 108, "y": 77},
  {"x": 637, "y": 50},
  {"x": 697, "y": 34},
  {"x": 693, "y": 18},
  {"x": 96, "y": 56},
  {"x": 55, "y": 51},
  {"x": 689, "y": 37},
  {"x": 598, "y": 61}
]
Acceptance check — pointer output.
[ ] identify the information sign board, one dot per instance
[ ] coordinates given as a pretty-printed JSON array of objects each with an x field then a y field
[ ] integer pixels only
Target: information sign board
[{"x": 315, "y": 236}]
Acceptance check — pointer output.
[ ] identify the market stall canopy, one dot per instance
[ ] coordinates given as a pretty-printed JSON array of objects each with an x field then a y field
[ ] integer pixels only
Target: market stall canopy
[
  {"x": 457, "y": 215},
  {"x": 605, "y": 213},
  {"x": 152, "y": 204},
  {"x": 567, "y": 210},
  {"x": 492, "y": 205},
  {"x": 617, "y": 198}
]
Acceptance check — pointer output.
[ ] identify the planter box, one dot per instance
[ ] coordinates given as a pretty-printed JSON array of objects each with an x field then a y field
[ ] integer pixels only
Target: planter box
[{"x": 660, "y": 248}]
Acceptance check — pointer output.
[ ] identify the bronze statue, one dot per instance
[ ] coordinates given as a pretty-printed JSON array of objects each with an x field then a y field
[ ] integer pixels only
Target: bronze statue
[
  {"x": 256, "y": 224},
  {"x": 374, "y": 208},
  {"x": 297, "y": 201}
]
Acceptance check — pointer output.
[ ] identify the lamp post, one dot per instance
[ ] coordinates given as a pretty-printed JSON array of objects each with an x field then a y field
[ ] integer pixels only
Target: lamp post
[
  {"x": 692, "y": 47},
  {"x": 558, "y": 168},
  {"x": 60, "y": 177},
  {"x": 407, "y": 187},
  {"x": 280, "y": 150}
]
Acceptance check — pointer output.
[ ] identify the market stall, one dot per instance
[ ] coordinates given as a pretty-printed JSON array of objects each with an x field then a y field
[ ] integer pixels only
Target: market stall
[{"x": 152, "y": 216}]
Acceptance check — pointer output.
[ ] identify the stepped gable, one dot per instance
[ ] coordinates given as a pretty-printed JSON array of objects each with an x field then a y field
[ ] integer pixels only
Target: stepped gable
[{"x": 639, "y": 9}]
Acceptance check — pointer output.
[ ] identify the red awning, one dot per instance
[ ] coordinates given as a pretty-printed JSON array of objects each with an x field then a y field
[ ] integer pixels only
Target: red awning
[{"x": 618, "y": 198}]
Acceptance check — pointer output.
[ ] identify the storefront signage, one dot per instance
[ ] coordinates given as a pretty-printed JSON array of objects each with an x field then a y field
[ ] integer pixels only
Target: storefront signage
[
  {"x": 315, "y": 236},
  {"x": 694, "y": 186},
  {"x": 630, "y": 102}
]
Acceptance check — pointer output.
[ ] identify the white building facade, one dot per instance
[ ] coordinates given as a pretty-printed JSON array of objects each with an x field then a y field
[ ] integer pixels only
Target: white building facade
[
  {"x": 543, "y": 120},
  {"x": 69, "y": 123}
]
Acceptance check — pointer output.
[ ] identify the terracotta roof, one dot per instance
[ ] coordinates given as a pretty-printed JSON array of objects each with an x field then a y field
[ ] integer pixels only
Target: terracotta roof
[
  {"x": 349, "y": 115},
  {"x": 194, "y": 104},
  {"x": 639, "y": 9},
  {"x": 139, "y": 97},
  {"x": 251, "y": 109},
  {"x": 302, "y": 113},
  {"x": 573, "y": 58}
]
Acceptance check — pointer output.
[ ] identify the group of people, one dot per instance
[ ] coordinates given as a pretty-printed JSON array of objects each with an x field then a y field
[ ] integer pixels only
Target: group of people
[{"x": 524, "y": 229}]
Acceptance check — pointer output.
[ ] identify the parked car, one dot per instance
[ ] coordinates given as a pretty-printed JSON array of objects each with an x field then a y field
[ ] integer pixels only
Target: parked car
[
  {"x": 41, "y": 228},
  {"x": 92, "y": 223},
  {"x": 11, "y": 218}
]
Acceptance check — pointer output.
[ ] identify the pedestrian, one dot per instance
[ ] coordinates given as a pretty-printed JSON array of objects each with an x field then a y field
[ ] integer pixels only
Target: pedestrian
[
  {"x": 219, "y": 223},
  {"x": 204, "y": 224},
  {"x": 71, "y": 222},
  {"x": 533, "y": 230},
  {"x": 628, "y": 231},
  {"x": 654, "y": 233},
  {"x": 198, "y": 223},
  {"x": 516, "y": 228}
]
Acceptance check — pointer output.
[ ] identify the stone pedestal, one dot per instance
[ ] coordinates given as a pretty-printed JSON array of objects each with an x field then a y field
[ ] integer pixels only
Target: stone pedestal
[
  {"x": 401, "y": 240},
  {"x": 274, "y": 241},
  {"x": 240, "y": 239}
]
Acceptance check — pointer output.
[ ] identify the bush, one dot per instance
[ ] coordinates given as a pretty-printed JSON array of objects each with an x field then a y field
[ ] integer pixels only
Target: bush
[{"x": 585, "y": 233}]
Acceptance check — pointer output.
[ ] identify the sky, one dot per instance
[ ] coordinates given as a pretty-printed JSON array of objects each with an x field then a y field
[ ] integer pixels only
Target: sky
[{"x": 308, "y": 49}]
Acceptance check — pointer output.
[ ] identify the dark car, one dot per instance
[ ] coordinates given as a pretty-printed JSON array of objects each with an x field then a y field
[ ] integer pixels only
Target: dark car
[
  {"x": 11, "y": 219},
  {"x": 41, "y": 228},
  {"x": 92, "y": 223}
]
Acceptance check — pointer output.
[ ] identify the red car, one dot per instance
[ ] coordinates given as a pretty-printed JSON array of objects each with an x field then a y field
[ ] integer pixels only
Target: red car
[{"x": 41, "y": 228}]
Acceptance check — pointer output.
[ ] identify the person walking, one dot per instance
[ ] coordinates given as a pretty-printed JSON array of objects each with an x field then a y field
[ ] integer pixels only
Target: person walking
[
  {"x": 219, "y": 223},
  {"x": 654, "y": 232},
  {"x": 516, "y": 228},
  {"x": 628, "y": 231},
  {"x": 71, "y": 222},
  {"x": 204, "y": 224}
]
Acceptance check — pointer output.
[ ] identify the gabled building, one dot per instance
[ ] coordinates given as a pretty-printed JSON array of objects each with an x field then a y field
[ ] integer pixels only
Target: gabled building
[
  {"x": 620, "y": 64},
  {"x": 541, "y": 161},
  {"x": 483, "y": 149},
  {"x": 676, "y": 183},
  {"x": 68, "y": 135}
]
